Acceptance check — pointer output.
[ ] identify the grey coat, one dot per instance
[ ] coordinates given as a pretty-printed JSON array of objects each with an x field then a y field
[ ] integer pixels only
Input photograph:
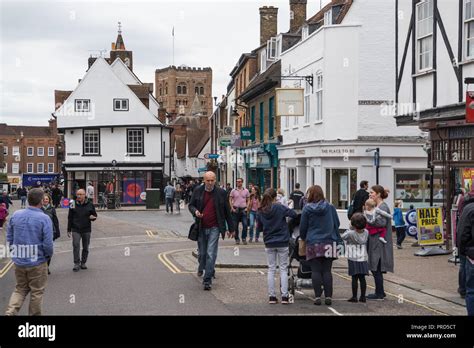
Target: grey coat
[{"x": 378, "y": 250}]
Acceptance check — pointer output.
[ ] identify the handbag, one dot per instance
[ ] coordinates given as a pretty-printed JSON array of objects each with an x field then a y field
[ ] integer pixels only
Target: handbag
[
  {"x": 194, "y": 232},
  {"x": 301, "y": 247}
]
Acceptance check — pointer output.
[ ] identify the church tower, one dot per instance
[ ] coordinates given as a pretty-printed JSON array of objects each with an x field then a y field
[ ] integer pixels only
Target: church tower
[{"x": 118, "y": 50}]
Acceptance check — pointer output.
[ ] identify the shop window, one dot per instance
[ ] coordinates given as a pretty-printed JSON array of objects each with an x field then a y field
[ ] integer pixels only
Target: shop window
[
  {"x": 413, "y": 188},
  {"x": 341, "y": 184}
]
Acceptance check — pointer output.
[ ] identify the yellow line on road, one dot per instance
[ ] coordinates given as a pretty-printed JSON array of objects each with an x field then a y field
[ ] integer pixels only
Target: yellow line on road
[
  {"x": 5, "y": 269},
  {"x": 404, "y": 299}
]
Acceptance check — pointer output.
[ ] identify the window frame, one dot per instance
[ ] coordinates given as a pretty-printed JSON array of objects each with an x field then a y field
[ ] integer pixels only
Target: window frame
[
  {"x": 84, "y": 142},
  {"x": 421, "y": 39},
  {"x": 17, "y": 166},
  {"x": 38, "y": 168},
  {"x": 468, "y": 21},
  {"x": 15, "y": 153},
  {"x": 182, "y": 88},
  {"x": 5, "y": 168},
  {"x": 307, "y": 103},
  {"x": 263, "y": 60},
  {"x": 5, "y": 151},
  {"x": 49, "y": 148},
  {"x": 319, "y": 80},
  {"x": 38, "y": 151},
  {"x": 28, "y": 165},
  {"x": 50, "y": 171},
  {"x": 81, "y": 109},
  {"x": 271, "y": 118},
  {"x": 28, "y": 154},
  {"x": 121, "y": 100},
  {"x": 328, "y": 17},
  {"x": 142, "y": 130}
]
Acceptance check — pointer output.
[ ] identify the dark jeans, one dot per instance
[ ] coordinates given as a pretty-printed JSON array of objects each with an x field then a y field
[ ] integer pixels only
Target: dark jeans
[
  {"x": 321, "y": 276},
  {"x": 469, "y": 288},
  {"x": 378, "y": 278},
  {"x": 240, "y": 216},
  {"x": 169, "y": 203},
  {"x": 401, "y": 234},
  {"x": 76, "y": 245},
  {"x": 208, "y": 241},
  {"x": 462, "y": 275}
]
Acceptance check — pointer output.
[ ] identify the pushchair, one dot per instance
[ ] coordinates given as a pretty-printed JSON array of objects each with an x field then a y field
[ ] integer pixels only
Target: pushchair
[{"x": 302, "y": 278}]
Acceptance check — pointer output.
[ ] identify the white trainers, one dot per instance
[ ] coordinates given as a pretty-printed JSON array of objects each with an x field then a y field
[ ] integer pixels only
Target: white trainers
[{"x": 382, "y": 240}]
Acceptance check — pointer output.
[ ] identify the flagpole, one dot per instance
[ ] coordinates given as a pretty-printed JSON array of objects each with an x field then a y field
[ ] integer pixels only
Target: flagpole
[{"x": 173, "y": 45}]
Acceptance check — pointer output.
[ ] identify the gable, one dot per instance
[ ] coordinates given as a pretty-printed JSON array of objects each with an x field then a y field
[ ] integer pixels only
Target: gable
[
  {"x": 101, "y": 86},
  {"x": 124, "y": 73}
]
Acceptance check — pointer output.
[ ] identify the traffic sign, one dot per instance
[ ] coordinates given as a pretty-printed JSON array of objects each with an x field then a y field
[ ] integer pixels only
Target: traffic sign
[
  {"x": 225, "y": 141},
  {"x": 211, "y": 156}
]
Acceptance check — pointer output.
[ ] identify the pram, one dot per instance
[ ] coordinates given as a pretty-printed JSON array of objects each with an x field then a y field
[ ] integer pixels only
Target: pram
[{"x": 302, "y": 278}]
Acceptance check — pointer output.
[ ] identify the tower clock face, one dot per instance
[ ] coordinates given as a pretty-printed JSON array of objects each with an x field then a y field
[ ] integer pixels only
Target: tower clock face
[{"x": 127, "y": 62}]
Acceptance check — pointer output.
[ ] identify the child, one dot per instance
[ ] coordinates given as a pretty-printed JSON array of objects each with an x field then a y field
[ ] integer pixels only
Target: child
[
  {"x": 356, "y": 239},
  {"x": 3, "y": 214},
  {"x": 271, "y": 219},
  {"x": 400, "y": 225},
  {"x": 371, "y": 211}
]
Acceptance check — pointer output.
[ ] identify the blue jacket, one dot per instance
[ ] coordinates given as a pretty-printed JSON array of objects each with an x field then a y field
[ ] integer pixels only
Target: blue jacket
[
  {"x": 398, "y": 217},
  {"x": 274, "y": 226},
  {"x": 30, "y": 232},
  {"x": 319, "y": 223}
]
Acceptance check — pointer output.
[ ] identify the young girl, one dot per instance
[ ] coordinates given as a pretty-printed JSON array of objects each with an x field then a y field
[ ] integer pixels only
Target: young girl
[
  {"x": 252, "y": 208},
  {"x": 271, "y": 219},
  {"x": 400, "y": 225},
  {"x": 3, "y": 214},
  {"x": 356, "y": 242},
  {"x": 371, "y": 211}
]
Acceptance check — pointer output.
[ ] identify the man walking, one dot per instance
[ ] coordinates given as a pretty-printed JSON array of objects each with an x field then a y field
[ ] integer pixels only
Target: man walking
[
  {"x": 296, "y": 196},
  {"x": 465, "y": 241},
  {"x": 90, "y": 192},
  {"x": 31, "y": 230},
  {"x": 81, "y": 213},
  {"x": 238, "y": 202},
  {"x": 210, "y": 207},
  {"x": 22, "y": 195},
  {"x": 169, "y": 197},
  {"x": 360, "y": 197},
  {"x": 56, "y": 196},
  {"x": 6, "y": 199}
]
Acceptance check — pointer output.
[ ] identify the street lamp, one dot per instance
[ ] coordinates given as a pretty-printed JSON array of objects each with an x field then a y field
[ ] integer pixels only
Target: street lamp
[{"x": 376, "y": 162}]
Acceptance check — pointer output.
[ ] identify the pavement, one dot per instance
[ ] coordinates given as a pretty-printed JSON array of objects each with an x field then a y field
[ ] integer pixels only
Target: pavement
[{"x": 141, "y": 262}]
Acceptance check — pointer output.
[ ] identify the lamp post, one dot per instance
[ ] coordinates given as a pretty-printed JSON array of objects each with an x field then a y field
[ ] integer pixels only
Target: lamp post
[
  {"x": 234, "y": 115},
  {"x": 376, "y": 162}
]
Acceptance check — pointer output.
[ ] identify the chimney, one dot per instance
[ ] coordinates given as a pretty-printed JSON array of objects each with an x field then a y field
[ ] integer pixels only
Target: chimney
[
  {"x": 268, "y": 23},
  {"x": 297, "y": 14}
]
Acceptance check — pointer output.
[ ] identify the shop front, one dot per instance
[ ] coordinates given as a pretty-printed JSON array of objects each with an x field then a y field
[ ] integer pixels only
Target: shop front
[
  {"x": 15, "y": 182},
  {"x": 261, "y": 165},
  {"x": 127, "y": 183}
]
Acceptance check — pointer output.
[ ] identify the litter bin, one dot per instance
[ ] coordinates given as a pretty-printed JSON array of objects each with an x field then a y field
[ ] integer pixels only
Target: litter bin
[
  {"x": 153, "y": 198},
  {"x": 111, "y": 201}
]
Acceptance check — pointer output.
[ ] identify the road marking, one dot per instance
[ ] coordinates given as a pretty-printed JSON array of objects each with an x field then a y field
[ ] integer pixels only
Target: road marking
[
  {"x": 151, "y": 234},
  {"x": 261, "y": 272},
  {"x": 335, "y": 312},
  {"x": 5, "y": 269},
  {"x": 396, "y": 296},
  {"x": 300, "y": 292}
]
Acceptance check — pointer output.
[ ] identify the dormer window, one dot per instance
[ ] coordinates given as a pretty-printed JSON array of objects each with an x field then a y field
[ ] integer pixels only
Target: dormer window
[
  {"x": 274, "y": 48},
  {"x": 120, "y": 104},
  {"x": 328, "y": 17}
]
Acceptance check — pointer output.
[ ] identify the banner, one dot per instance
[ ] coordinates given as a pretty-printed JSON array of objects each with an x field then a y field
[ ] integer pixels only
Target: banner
[
  {"x": 39, "y": 179},
  {"x": 430, "y": 226},
  {"x": 469, "y": 107}
]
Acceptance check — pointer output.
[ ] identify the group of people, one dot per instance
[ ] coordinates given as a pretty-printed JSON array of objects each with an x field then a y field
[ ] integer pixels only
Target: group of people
[
  {"x": 217, "y": 210},
  {"x": 38, "y": 226}
]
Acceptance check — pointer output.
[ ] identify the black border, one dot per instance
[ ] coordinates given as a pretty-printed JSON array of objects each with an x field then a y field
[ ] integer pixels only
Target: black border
[
  {"x": 83, "y": 143},
  {"x": 128, "y": 104},
  {"x": 143, "y": 142},
  {"x": 75, "y": 109}
]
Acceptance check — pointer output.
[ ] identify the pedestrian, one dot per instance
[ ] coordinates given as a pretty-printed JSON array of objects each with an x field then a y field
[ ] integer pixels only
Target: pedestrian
[
  {"x": 466, "y": 202},
  {"x": 6, "y": 199},
  {"x": 189, "y": 190},
  {"x": 296, "y": 197},
  {"x": 3, "y": 215},
  {"x": 22, "y": 195},
  {"x": 371, "y": 212},
  {"x": 466, "y": 249},
  {"x": 356, "y": 244},
  {"x": 400, "y": 225},
  {"x": 380, "y": 254},
  {"x": 49, "y": 210},
  {"x": 271, "y": 219},
  {"x": 210, "y": 207},
  {"x": 319, "y": 230},
  {"x": 361, "y": 195},
  {"x": 281, "y": 198},
  {"x": 178, "y": 196},
  {"x": 79, "y": 225},
  {"x": 238, "y": 200},
  {"x": 252, "y": 208},
  {"x": 90, "y": 192},
  {"x": 31, "y": 230},
  {"x": 56, "y": 195},
  {"x": 169, "y": 192}
]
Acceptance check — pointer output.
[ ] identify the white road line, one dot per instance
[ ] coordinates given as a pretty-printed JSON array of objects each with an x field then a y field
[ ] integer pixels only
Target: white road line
[
  {"x": 299, "y": 292},
  {"x": 334, "y": 311},
  {"x": 261, "y": 272}
]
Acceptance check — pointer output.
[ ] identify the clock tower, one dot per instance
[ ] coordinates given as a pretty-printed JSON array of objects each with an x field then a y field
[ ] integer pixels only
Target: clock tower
[{"x": 118, "y": 50}]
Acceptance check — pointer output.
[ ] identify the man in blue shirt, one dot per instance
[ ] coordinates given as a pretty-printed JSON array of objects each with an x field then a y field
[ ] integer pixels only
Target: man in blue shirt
[{"x": 30, "y": 238}]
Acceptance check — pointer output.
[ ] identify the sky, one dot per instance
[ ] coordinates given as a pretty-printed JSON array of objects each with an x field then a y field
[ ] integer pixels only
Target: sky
[{"x": 44, "y": 45}]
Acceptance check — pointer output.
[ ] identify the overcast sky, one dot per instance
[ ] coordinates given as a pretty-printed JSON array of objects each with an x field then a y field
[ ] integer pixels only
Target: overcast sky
[{"x": 45, "y": 44}]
